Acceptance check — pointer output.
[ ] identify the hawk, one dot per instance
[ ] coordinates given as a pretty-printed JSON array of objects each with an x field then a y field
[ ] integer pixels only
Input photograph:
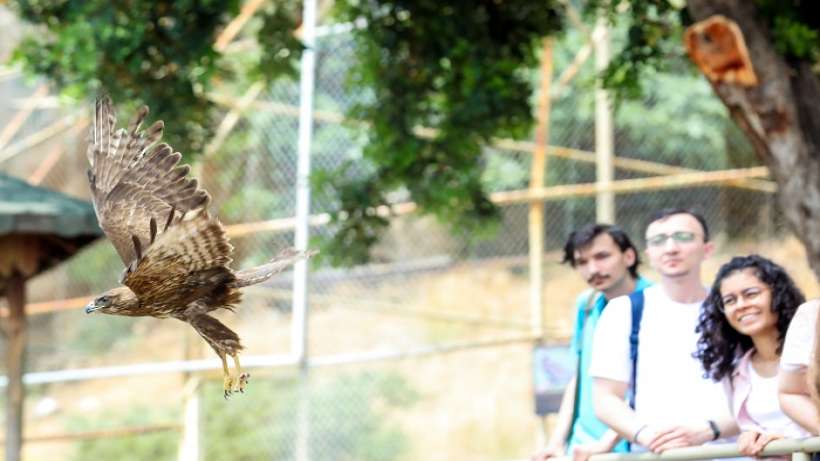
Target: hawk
[{"x": 176, "y": 254}]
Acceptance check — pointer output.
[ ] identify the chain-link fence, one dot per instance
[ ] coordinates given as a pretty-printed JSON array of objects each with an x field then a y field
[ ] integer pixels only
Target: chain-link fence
[{"x": 432, "y": 287}]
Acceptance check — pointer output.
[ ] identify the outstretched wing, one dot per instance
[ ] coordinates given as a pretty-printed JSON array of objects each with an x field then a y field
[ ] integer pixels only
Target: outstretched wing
[
  {"x": 186, "y": 263},
  {"x": 136, "y": 184}
]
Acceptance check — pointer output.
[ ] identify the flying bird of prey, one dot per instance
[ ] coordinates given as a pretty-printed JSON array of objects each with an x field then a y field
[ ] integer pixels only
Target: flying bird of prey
[{"x": 176, "y": 254}]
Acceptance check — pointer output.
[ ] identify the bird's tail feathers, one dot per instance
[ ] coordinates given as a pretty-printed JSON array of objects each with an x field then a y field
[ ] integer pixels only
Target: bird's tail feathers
[{"x": 261, "y": 273}]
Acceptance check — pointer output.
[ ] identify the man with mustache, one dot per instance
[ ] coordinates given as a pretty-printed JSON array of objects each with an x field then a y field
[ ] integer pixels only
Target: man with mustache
[
  {"x": 608, "y": 261},
  {"x": 671, "y": 403}
]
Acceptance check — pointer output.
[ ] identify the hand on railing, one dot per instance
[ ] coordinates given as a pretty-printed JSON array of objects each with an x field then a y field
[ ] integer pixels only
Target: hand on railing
[
  {"x": 798, "y": 449},
  {"x": 752, "y": 443},
  {"x": 660, "y": 439},
  {"x": 583, "y": 452},
  {"x": 579, "y": 452},
  {"x": 547, "y": 453}
]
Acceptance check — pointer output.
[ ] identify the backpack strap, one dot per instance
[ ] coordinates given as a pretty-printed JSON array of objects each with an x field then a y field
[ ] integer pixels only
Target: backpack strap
[{"x": 636, "y": 300}]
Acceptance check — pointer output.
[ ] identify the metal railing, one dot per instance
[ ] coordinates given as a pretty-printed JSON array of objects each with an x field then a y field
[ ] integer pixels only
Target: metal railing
[{"x": 800, "y": 449}]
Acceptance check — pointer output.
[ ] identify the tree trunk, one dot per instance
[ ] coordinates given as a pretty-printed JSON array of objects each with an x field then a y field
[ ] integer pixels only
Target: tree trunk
[
  {"x": 16, "y": 336},
  {"x": 780, "y": 116}
]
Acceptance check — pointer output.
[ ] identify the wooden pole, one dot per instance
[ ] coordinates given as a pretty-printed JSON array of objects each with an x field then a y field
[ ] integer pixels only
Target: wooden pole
[
  {"x": 232, "y": 118},
  {"x": 538, "y": 171},
  {"x": 15, "y": 360},
  {"x": 57, "y": 128},
  {"x": 54, "y": 155},
  {"x": 99, "y": 434},
  {"x": 630, "y": 164},
  {"x": 14, "y": 125},
  {"x": 604, "y": 131},
  {"x": 232, "y": 29},
  {"x": 630, "y": 186}
]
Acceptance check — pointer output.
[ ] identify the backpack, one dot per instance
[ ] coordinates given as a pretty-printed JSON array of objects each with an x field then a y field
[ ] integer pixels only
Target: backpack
[{"x": 636, "y": 301}]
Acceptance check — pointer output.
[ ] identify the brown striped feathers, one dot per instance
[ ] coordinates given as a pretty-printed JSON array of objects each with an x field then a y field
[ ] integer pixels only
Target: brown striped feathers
[{"x": 176, "y": 254}]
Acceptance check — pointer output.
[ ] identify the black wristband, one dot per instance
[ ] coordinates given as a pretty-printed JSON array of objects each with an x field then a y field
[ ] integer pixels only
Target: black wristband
[{"x": 715, "y": 429}]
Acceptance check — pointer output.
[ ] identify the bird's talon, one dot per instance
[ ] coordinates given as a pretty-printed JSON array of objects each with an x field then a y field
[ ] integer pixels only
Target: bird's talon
[
  {"x": 228, "y": 386},
  {"x": 241, "y": 382}
]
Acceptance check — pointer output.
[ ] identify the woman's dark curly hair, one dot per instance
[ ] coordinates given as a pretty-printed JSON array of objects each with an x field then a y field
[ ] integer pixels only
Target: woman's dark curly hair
[{"x": 720, "y": 346}]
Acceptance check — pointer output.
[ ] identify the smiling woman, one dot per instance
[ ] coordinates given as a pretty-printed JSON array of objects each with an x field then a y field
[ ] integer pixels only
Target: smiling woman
[{"x": 742, "y": 328}]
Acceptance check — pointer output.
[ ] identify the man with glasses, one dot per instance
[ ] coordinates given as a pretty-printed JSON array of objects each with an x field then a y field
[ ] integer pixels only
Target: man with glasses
[
  {"x": 606, "y": 259},
  {"x": 672, "y": 404}
]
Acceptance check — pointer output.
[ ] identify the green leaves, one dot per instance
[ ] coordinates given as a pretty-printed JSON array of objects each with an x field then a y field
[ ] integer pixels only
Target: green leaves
[
  {"x": 459, "y": 69},
  {"x": 794, "y": 26},
  {"x": 282, "y": 49},
  {"x": 158, "y": 53},
  {"x": 652, "y": 43},
  {"x": 795, "y": 38}
]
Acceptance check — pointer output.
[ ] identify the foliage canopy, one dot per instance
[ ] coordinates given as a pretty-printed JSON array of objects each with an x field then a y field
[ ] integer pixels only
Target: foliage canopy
[{"x": 464, "y": 70}]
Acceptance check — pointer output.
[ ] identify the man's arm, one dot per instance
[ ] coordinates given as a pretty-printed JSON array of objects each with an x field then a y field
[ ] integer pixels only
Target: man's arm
[
  {"x": 659, "y": 440},
  {"x": 557, "y": 442},
  {"x": 558, "y": 437},
  {"x": 795, "y": 400},
  {"x": 564, "y": 422},
  {"x": 613, "y": 410}
]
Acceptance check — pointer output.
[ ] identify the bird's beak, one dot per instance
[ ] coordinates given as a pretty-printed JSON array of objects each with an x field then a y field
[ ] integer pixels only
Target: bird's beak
[{"x": 91, "y": 307}]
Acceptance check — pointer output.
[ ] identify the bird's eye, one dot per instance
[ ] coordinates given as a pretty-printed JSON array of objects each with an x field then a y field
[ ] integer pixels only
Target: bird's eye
[{"x": 104, "y": 300}]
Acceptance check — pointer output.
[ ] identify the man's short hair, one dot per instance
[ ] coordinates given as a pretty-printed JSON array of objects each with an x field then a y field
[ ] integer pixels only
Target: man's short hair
[
  {"x": 582, "y": 237},
  {"x": 667, "y": 212}
]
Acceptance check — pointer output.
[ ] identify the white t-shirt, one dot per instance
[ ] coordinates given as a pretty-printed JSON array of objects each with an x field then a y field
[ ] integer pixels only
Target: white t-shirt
[
  {"x": 671, "y": 388},
  {"x": 798, "y": 346},
  {"x": 764, "y": 408}
]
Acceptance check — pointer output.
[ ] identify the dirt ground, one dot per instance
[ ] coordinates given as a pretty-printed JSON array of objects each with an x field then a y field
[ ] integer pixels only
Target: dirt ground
[{"x": 476, "y": 404}]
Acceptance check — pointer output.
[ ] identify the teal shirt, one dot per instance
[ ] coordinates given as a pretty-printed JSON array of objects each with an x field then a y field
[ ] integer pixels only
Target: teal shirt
[{"x": 586, "y": 427}]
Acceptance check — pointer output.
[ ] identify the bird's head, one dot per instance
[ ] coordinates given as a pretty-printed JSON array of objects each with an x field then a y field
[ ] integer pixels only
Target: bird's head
[{"x": 117, "y": 301}]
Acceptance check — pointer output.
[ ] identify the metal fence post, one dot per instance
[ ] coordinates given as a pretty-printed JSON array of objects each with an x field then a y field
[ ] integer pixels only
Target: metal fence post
[
  {"x": 299, "y": 345},
  {"x": 189, "y": 447}
]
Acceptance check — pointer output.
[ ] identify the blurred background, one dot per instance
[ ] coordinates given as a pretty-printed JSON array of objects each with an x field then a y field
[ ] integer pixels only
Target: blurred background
[{"x": 424, "y": 351}]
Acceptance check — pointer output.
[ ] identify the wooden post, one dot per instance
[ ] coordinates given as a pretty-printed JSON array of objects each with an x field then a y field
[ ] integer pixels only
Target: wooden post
[
  {"x": 538, "y": 171},
  {"x": 15, "y": 360},
  {"x": 604, "y": 132},
  {"x": 14, "y": 125}
]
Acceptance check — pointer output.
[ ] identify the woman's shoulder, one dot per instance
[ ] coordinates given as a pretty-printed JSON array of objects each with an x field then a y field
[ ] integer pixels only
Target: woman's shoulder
[
  {"x": 799, "y": 340},
  {"x": 807, "y": 311}
]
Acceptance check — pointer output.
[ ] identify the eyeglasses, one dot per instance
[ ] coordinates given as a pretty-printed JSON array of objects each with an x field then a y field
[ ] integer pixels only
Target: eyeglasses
[
  {"x": 731, "y": 302},
  {"x": 679, "y": 237}
]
